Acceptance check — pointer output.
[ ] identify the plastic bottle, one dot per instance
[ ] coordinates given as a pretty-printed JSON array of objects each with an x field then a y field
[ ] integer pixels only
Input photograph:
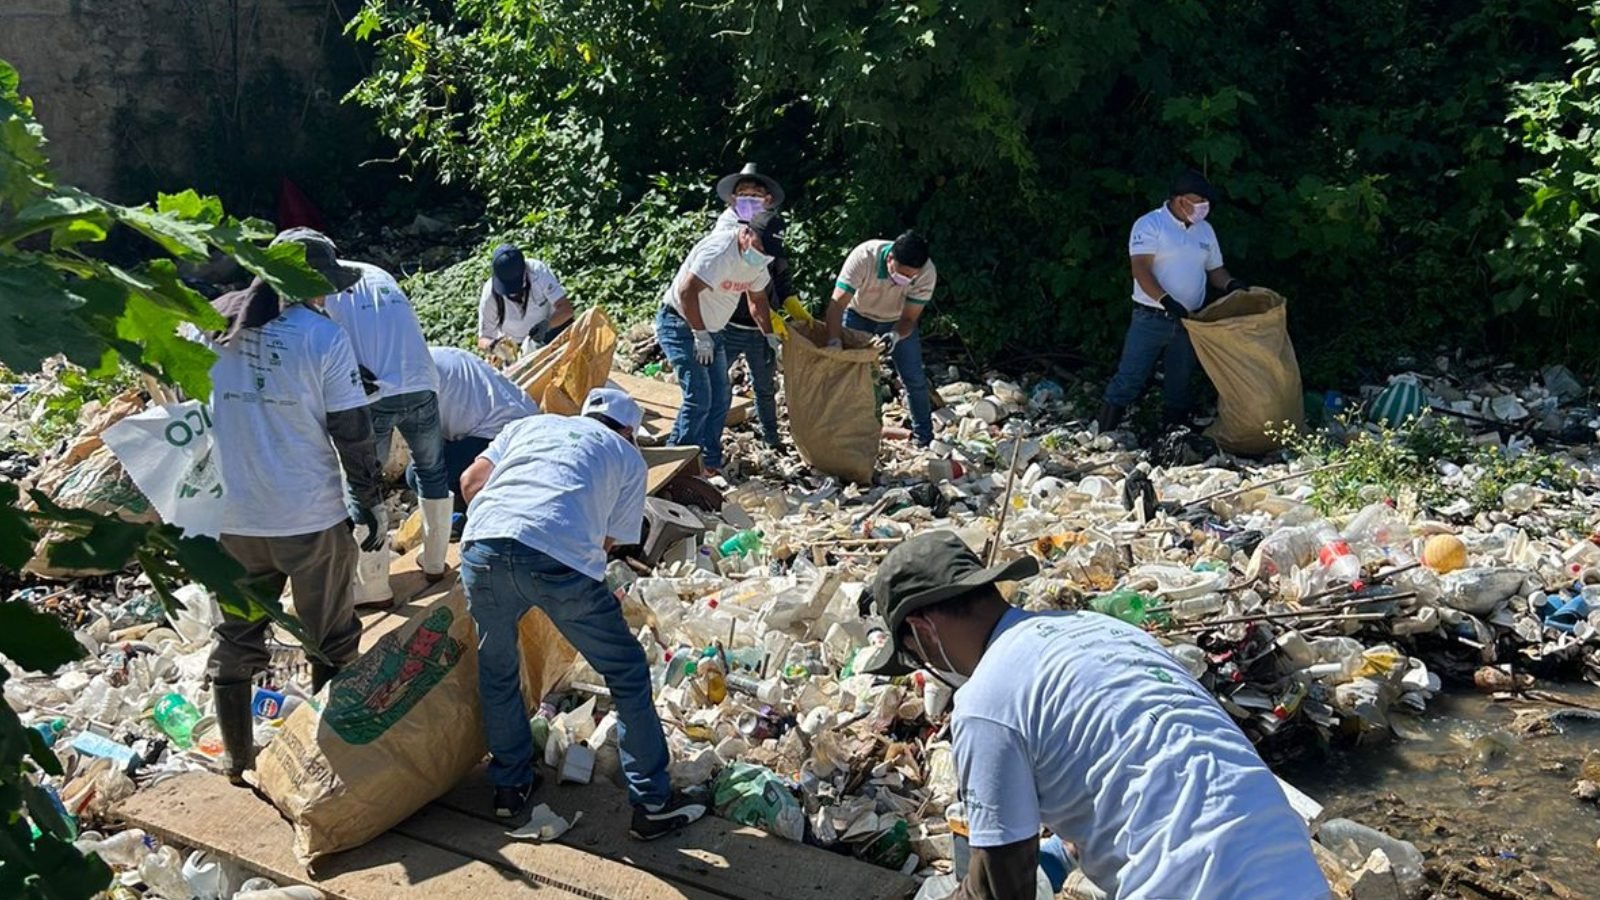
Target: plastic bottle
[
  {"x": 1378, "y": 532},
  {"x": 1193, "y": 659},
  {"x": 1195, "y": 607},
  {"x": 51, "y": 730},
  {"x": 176, "y": 717},
  {"x": 651, "y": 370},
  {"x": 1338, "y": 563},
  {"x": 1129, "y": 606},
  {"x": 742, "y": 543},
  {"x": 1404, "y": 856},
  {"x": 125, "y": 849}
]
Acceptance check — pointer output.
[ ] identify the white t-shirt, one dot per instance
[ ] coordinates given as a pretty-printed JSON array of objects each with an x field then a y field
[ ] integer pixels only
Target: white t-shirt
[
  {"x": 474, "y": 399},
  {"x": 383, "y": 328},
  {"x": 1183, "y": 256},
  {"x": 716, "y": 261},
  {"x": 544, "y": 290},
  {"x": 561, "y": 485},
  {"x": 1084, "y": 724},
  {"x": 272, "y": 389}
]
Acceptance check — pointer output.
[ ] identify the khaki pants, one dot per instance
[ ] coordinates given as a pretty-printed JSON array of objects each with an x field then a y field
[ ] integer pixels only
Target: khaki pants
[{"x": 321, "y": 567}]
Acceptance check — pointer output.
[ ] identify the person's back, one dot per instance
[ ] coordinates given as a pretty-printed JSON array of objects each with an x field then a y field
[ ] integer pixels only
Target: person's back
[
  {"x": 474, "y": 399},
  {"x": 384, "y": 330},
  {"x": 1132, "y": 760},
  {"x": 270, "y": 401},
  {"x": 557, "y": 487}
]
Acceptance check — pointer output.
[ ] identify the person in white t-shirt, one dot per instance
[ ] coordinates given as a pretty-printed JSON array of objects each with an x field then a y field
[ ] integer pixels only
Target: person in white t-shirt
[
  {"x": 1175, "y": 257},
  {"x": 727, "y": 267},
  {"x": 748, "y": 192},
  {"x": 522, "y": 302},
  {"x": 549, "y": 498},
  {"x": 399, "y": 376},
  {"x": 475, "y": 404},
  {"x": 1085, "y": 725},
  {"x": 289, "y": 415}
]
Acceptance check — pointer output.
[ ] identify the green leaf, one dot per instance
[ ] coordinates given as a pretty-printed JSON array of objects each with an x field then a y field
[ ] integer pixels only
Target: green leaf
[
  {"x": 79, "y": 216},
  {"x": 36, "y": 641},
  {"x": 181, "y": 238},
  {"x": 176, "y": 359},
  {"x": 36, "y": 320},
  {"x": 191, "y": 206},
  {"x": 66, "y": 874}
]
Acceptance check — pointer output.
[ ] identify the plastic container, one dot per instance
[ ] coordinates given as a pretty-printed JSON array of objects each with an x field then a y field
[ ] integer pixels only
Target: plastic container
[
  {"x": 96, "y": 745},
  {"x": 1339, "y": 835},
  {"x": 742, "y": 543},
  {"x": 176, "y": 717},
  {"x": 1193, "y": 659},
  {"x": 51, "y": 730},
  {"x": 1337, "y": 562},
  {"x": 1195, "y": 607},
  {"x": 1129, "y": 606}
]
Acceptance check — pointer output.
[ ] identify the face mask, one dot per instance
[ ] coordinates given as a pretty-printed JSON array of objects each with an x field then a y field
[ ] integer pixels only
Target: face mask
[
  {"x": 897, "y": 279},
  {"x": 745, "y": 208},
  {"x": 1198, "y": 212},
  {"x": 754, "y": 257},
  {"x": 948, "y": 674}
]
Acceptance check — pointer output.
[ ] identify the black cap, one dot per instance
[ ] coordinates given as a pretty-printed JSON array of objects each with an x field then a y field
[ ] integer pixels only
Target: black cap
[
  {"x": 728, "y": 182},
  {"x": 769, "y": 226},
  {"x": 928, "y": 568},
  {"x": 510, "y": 270},
  {"x": 322, "y": 256},
  {"x": 1191, "y": 182}
]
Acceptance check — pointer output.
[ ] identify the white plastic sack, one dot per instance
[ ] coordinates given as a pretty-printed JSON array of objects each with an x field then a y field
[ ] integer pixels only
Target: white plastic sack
[{"x": 167, "y": 452}]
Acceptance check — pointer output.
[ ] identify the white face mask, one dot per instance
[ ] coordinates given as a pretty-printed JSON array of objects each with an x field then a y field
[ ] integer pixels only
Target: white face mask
[
  {"x": 948, "y": 674},
  {"x": 1198, "y": 212}
]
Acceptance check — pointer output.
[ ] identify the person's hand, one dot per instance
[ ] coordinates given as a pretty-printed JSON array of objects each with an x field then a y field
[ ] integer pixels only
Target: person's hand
[
  {"x": 705, "y": 350},
  {"x": 376, "y": 521},
  {"x": 888, "y": 341},
  {"x": 1174, "y": 307},
  {"x": 1235, "y": 284},
  {"x": 540, "y": 334},
  {"x": 775, "y": 342}
]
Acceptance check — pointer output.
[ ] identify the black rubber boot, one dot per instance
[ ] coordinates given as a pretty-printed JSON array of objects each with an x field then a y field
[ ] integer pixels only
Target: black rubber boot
[
  {"x": 237, "y": 725},
  {"x": 321, "y": 674},
  {"x": 1110, "y": 416}
]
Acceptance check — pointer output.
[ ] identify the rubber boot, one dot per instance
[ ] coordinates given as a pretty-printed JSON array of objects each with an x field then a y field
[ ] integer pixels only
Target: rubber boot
[
  {"x": 321, "y": 674},
  {"x": 372, "y": 589},
  {"x": 435, "y": 535},
  {"x": 1110, "y": 416},
  {"x": 237, "y": 725}
]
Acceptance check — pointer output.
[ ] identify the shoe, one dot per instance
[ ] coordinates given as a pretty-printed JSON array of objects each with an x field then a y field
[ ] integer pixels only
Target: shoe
[
  {"x": 512, "y": 802},
  {"x": 237, "y": 724},
  {"x": 436, "y": 515},
  {"x": 675, "y": 814},
  {"x": 1110, "y": 416}
]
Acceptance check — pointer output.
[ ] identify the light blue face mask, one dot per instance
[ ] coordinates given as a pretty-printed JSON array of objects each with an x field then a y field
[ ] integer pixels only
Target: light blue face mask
[
  {"x": 745, "y": 208},
  {"x": 755, "y": 257}
]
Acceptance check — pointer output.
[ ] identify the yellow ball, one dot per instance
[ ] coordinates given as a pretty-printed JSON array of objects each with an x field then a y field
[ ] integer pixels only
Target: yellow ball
[{"x": 1444, "y": 553}]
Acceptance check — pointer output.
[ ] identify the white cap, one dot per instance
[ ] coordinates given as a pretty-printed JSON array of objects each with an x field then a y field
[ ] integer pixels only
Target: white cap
[{"x": 615, "y": 405}]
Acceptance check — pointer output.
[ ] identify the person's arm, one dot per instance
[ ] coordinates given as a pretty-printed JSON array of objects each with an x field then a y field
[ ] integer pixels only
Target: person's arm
[
  {"x": 1001, "y": 873},
  {"x": 1001, "y": 797},
  {"x": 1144, "y": 274},
  {"x": 475, "y": 477},
  {"x": 487, "y": 327},
  {"x": 853, "y": 274},
  {"x": 351, "y": 433},
  {"x": 561, "y": 312},
  {"x": 1222, "y": 281},
  {"x": 760, "y": 310},
  {"x": 836, "y": 308},
  {"x": 689, "y": 301}
]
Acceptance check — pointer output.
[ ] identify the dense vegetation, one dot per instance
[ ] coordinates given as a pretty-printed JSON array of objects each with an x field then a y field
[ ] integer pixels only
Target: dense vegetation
[{"x": 1401, "y": 170}]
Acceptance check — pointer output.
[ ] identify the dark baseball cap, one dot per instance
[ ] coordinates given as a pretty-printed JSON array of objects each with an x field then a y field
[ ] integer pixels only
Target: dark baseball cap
[
  {"x": 928, "y": 568},
  {"x": 1192, "y": 182},
  {"x": 322, "y": 256},
  {"x": 510, "y": 270},
  {"x": 769, "y": 226}
]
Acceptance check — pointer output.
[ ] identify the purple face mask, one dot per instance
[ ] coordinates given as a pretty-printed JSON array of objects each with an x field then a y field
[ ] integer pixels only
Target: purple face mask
[
  {"x": 745, "y": 208},
  {"x": 898, "y": 279}
]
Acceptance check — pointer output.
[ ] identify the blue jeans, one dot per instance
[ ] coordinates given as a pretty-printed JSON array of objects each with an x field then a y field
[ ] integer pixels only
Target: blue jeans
[
  {"x": 458, "y": 455},
  {"x": 707, "y": 394},
  {"x": 752, "y": 345},
  {"x": 1153, "y": 335},
  {"x": 417, "y": 416},
  {"x": 504, "y": 579},
  {"x": 907, "y": 359}
]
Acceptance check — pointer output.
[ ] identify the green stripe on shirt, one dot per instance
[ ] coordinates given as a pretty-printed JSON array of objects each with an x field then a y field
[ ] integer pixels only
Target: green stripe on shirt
[
  {"x": 916, "y": 302},
  {"x": 843, "y": 286}
]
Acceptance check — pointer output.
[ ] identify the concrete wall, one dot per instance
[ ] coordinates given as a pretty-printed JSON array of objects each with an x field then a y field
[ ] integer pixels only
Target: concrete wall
[{"x": 137, "y": 95}]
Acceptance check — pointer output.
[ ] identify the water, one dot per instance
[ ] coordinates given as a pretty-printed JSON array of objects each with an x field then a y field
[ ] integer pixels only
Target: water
[{"x": 1481, "y": 799}]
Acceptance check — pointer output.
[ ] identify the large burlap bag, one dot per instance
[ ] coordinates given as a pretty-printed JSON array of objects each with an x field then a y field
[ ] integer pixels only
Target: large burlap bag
[
  {"x": 833, "y": 414},
  {"x": 1242, "y": 340},
  {"x": 397, "y": 729},
  {"x": 559, "y": 375}
]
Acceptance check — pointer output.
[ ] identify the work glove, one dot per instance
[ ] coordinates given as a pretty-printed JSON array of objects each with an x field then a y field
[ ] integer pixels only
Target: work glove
[
  {"x": 376, "y": 521},
  {"x": 539, "y": 335},
  {"x": 1174, "y": 307},
  {"x": 775, "y": 342},
  {"x": 888, "y": 341},
  {"x": 705, "y": 350},
  {"x": 1235, "y": 284}
]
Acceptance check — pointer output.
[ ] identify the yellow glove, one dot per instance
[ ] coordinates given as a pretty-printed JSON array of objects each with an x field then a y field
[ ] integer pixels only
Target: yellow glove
[
  {"x": 797, "y": 310},
  {"x": 779, "y": 328}
]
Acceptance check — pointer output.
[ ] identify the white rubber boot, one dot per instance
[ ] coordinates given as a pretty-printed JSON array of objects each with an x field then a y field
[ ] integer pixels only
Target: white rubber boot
[
  {"x": 435, "y": 534},
  {"x": 372, "y": 579}
]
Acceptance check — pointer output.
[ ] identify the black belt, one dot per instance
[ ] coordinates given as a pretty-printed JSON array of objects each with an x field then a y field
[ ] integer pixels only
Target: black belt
[{"x": 1151, "y": 310}]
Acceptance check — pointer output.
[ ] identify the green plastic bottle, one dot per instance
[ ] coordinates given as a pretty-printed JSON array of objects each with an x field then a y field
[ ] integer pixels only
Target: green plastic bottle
[
  {"x": 1129, "y": 606},
  {"x": 176, "y": 717},
  {"x": 742, "y": 543}
]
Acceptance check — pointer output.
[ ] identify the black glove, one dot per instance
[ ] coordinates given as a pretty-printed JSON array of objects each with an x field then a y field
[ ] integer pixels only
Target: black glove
[
  {"x": 1235, "y": 284},
  {"x": 376, "y": 520},
  {"x": 1174, "y": 307}
]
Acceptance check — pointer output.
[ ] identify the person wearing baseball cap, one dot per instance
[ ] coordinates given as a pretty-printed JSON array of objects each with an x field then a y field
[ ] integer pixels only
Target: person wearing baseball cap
[
  {"x": 1175, "y": 257},
  {"x": 1085, "y": 725},
  {"x": 547, "y": 501},
  {"x": 522, "y": 302}
]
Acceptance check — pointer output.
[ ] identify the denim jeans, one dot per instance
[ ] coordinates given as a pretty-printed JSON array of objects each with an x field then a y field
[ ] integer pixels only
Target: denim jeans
[
  {"x": 707, "y": 394},
  {"x": 907, "y": 359},
  {"x": 752, "y": 345},
  {"x": 504, "y": 579},
  {"x": 458, "y": 455},
  {"x": 1153, "y": 335},
  {"x": 417, "y": 416}
]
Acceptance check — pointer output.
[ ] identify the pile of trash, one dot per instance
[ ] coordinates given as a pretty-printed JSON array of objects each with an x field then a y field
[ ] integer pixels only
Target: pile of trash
[{"x": 1311, "y": 629}]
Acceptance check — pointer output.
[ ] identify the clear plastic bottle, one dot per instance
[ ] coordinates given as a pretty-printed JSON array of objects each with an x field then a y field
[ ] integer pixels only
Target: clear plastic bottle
[
  {"x": 176, "y": 717},
  {"x": 1195, "y": 607},
  {"x": 1337, "y": 563},
  {"x": 1336, "y": 834}
]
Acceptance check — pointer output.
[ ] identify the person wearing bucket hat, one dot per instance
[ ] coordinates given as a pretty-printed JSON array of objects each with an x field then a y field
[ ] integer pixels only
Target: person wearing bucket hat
[
  {"x": 1175, "y": 257},
  {"x": 724, "y": 269},
  {"x": 1086, "y": 725},
  {"x": 522, "y": 302},
  {"x": 747, "y": 192},
  {"x": 547, "y": 500}
]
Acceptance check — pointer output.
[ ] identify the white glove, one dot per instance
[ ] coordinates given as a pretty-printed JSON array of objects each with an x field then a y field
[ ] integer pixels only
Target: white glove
[
  {"x": 888, "y": 341},
  {"x": 775, "y": 342},
  {"x": 704, "y": 349}
]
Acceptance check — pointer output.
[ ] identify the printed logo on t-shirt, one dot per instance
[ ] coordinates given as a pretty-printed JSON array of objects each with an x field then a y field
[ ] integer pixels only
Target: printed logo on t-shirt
[{"x": 736, "y": 287}]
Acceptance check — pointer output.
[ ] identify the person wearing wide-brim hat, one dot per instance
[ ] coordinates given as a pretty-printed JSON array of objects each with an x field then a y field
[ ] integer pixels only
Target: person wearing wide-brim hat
[
  {"x": 1086, "y": 725},
  {"x": 747, "y": 192}
]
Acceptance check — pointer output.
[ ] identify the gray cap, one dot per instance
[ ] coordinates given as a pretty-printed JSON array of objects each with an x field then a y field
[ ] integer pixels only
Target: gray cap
[{"x": 322, "y": 256}]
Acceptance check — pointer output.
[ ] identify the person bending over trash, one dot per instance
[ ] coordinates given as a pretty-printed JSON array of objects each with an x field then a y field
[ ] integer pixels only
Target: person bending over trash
[
  {"x": 747, "y": 194},
  {"x": 1174, "y": 255},
  {"x": 547, "y": 500},
  {"x": 726, "y": 268},
  {"x": 1084, "y": 724},
  {"x": 882, "y": 289},
  {"x": 475, "y": 404},
  {"x": 522, "y": 303},
  {"x": 289, "y": 413}
]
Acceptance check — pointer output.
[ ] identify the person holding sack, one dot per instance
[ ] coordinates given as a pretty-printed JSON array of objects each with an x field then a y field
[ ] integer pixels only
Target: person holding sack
[{"x": 522, "y": 302}]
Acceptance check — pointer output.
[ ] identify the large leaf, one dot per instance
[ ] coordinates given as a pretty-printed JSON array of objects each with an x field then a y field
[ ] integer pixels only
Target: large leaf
[
  {"x": 34, "y": 640},
  {"x": 36, "y": 320},
  {"x": 74, "y": 217}
]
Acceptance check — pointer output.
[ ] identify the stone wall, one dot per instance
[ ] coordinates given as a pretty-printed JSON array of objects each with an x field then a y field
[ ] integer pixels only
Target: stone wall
[{"x": 141, "y": 95}]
